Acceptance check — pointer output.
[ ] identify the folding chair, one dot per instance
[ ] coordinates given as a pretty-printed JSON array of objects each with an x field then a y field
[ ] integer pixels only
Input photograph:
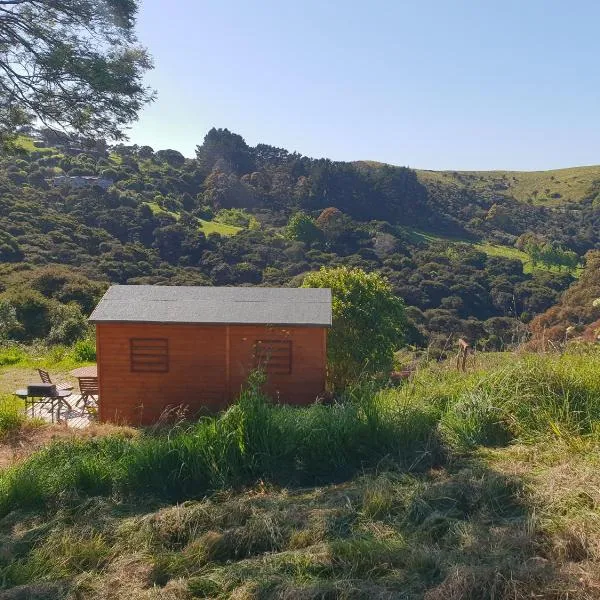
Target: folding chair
[
  {"x": 45, "y": 377},
  {"x": 88, "y": 389}
]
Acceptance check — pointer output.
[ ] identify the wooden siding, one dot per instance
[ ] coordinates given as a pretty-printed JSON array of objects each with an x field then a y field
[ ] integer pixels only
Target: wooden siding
[
  {"x": 207, "y": 367},
  {"x": 307, "y": 378}
]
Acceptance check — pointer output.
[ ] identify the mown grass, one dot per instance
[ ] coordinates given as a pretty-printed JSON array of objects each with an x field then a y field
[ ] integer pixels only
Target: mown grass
[{"x": 477, "y": 485}]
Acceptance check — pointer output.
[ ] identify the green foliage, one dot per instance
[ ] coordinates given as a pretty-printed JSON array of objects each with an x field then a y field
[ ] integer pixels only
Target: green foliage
[
  {"x": 406, "y": 484},
  {"x": 156, "y": 225},
  {"x": 238, "y": 217},
  {"x": 93, "y": 85},
  {"x": 84, "y": 350},
  {"x": 302, "y": 228},
  {"x": 12, "y": 416},
  {"x": 253, "y": 439},
  {"x": 67, "y": 324},
  {"x": 10, "y": 251},
  {"x": 9, "y": 324},
  {"x": 33, "y": 312},
  {"x": 369, "y": 324}
]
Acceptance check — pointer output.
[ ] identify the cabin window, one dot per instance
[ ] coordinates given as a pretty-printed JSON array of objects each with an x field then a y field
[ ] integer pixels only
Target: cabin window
[
  {"x": 274, "y": 356},
  {"x": 149, "y": 355}
]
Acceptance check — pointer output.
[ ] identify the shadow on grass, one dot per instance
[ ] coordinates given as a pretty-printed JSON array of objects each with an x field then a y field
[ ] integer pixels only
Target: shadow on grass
[{"x": 464, "y": 531}]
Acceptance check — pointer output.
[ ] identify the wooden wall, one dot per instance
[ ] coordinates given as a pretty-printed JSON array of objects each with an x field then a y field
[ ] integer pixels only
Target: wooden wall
[
  {"x": 207, "y": 368},
  {"x": 307, "y": 378}
]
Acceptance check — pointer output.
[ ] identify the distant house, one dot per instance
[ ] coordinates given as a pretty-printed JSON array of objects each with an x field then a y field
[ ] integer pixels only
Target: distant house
[
  {"x": 161, "y": 346},
  {"x": 81, "y": 181}
]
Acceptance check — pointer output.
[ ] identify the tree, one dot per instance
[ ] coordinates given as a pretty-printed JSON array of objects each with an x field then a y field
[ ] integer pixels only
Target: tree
[
  {"x": 173, "y": 158},
  {"x": 71, "y": 64},
  {"x": 302, "y": 228},
  {"x": 369, "y": 323}
]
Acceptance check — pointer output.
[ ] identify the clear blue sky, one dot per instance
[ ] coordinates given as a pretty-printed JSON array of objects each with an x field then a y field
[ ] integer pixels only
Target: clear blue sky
[{"x": 438, "y": 84}]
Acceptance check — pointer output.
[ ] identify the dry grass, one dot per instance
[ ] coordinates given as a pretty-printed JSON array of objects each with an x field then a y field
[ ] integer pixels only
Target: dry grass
[
  {"x": 515, "y": 522},
  {"x": 35, "y": 435},
  {"x": 550, "y": 188}
]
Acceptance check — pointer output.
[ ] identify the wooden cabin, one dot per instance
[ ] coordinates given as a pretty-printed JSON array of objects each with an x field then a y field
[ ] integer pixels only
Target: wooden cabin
[{"x": 166, "y": 346}]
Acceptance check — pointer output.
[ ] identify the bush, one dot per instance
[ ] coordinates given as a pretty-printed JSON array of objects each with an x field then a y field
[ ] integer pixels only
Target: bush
[
  {"x": 84, "y": 350},
  {"x": 369, "y": 323},
  {"x": 68, "y": 324}
]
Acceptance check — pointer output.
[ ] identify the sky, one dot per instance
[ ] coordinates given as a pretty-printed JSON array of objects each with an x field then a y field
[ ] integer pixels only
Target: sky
[{"x": 432, "y": 84}]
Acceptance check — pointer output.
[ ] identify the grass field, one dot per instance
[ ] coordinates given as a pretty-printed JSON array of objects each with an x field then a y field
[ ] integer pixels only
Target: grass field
[
  {"x": 477, "y": 485},
  {"x": 207, "y": 227},
  {"x": 26, "y": 144},
  {"x": 221, "y": 228},
  {"x": 489, "y": 249},
  {"x": 549, "y": 188}
]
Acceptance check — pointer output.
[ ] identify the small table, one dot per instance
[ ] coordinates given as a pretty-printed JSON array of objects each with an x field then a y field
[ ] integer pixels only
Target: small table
[
  {"x": 89, "y": 371},
  {"x": 56, "y": 401}
]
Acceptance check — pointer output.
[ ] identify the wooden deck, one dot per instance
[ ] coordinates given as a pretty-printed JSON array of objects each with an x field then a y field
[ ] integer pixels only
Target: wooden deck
[{"x": 78, "y": 418}]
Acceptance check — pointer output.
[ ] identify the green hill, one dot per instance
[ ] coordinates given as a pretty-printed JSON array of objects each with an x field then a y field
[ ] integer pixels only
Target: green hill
[
  {"x": 548, "y": 188},
  {"x": 449, "y": 243}
]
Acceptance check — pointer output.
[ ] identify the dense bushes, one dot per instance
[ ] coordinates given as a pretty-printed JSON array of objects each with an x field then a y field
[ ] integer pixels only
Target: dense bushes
[{"x": 146, "y": 228}]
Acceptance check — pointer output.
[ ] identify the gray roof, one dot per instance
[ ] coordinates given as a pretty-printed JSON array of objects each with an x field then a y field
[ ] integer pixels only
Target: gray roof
[{"x": 214, "y": 305}]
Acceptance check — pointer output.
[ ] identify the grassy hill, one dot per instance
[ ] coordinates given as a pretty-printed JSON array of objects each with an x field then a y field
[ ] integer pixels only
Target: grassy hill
[
  {"x": 207, "y": 227},
  {"x": 449, "y": 487},
  {"x": 490, "y": 250},
  {"x": 549, "y": 188}
]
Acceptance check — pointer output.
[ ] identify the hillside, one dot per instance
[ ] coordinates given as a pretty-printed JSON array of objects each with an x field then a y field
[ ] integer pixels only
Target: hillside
[
  {"x": 547, "y": 188},
  {"x": 468, "y": 259}
]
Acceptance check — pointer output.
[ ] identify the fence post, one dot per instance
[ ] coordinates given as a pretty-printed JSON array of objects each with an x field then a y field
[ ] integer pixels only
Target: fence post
[{"x": 463, "y": 351}]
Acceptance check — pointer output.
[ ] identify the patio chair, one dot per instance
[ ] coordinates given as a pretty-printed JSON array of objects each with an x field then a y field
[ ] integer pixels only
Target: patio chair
[
  {"x": 88, "y": 389},
  {"x": 45, "y": 377}
]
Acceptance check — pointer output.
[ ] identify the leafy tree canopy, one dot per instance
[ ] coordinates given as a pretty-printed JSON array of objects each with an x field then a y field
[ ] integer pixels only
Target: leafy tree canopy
[{"x": 71, "y": 64}]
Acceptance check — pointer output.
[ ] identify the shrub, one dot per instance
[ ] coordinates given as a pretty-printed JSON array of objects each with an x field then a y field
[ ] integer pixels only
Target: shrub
[
  {"x": 301, "y": 227},
  {"x": 84, "y": 350},
  {"x": 369, "y": 323},
  {"x": 68, "y": 324}
]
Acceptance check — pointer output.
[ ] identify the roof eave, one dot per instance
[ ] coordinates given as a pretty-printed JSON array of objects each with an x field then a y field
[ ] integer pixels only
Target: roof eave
[{"x": 209, "y": 323}]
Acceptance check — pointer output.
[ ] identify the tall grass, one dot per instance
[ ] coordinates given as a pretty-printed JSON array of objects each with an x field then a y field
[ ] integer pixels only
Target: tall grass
[
  {"x": 253, "y": 440},
  {"x": 525, "y": 398},
  {"x": 12, "y": 416}
]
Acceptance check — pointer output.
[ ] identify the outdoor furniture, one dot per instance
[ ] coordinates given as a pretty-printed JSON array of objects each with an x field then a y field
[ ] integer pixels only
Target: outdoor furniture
[
  {"x": 45, "y": 377},
  {"x": 55, "y": 400},
  {"x": 88, "y": 389}
]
